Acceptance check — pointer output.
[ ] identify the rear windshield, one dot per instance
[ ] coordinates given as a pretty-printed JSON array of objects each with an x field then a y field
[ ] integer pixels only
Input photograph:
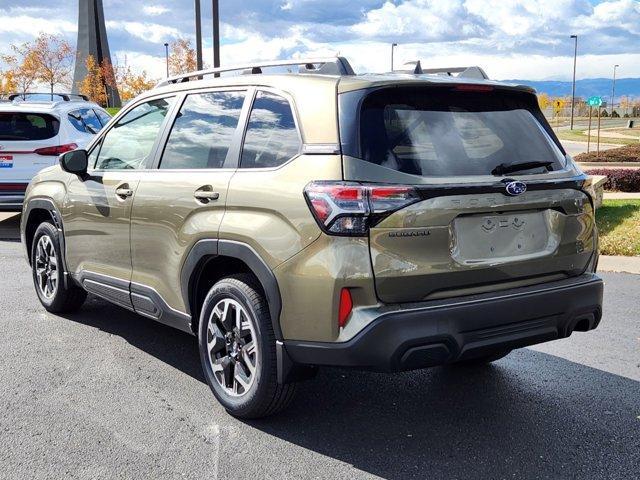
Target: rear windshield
[
  {"x": 22, "y": 126},
  {"x": 444, "y": 132}
]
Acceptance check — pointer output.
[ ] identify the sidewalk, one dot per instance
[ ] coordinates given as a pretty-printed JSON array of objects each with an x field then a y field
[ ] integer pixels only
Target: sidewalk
[{"x": 619, "y": 264}]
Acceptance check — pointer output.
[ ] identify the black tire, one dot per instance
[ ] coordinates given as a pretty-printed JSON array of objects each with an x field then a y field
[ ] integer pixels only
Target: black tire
[
  {"x": 265, "y": 396},
  {"x": 65, "y": 299},
  {"x": 484, "y": 360}
]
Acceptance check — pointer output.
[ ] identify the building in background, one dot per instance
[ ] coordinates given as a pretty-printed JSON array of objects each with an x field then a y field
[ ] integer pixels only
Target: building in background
[{"x": 92, "y": 40}]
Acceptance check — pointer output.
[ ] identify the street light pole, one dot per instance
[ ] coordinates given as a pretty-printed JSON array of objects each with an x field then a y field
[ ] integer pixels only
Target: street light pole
[
  {"x": 166, "y": 57},
  {"x": 198, "y": 35},
  {"x": 393, "y": 46},
  {"x": 613, "y": 88},
  {"x": 573, "y": 88},
  {"x": 216, "y": 34}
]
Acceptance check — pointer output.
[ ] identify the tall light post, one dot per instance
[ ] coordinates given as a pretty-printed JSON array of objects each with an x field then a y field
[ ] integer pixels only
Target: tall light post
[
  {"x": 573, "y": 88},
  {"x": 216, "y": 33},
  {"x": 198, "y": 35},
  {"x": 393, "y": 46},
  {"x": 166, "y": 56},
  {"x": 613, "y": 88}
]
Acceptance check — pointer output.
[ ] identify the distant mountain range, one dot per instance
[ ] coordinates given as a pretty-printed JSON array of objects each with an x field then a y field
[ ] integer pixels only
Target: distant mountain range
[{"x": 586, "y": 88}]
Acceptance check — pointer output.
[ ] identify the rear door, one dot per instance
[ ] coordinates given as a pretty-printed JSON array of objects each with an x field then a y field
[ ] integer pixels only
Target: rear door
[
  {"x": 182, "y": 199},
  {"x": 26, "y": 139},
  {"x": 497, "y": 204},
  {"x": 97, "y": 210}
]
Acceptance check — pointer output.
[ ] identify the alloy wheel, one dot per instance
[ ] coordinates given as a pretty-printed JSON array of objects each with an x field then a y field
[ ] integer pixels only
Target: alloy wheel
[
  {"x": 232, "y": 347},
  {"x": 46, "y": 265}
]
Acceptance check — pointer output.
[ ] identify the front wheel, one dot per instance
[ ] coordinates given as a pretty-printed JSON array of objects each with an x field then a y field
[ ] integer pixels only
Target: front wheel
[
  {"x": 237, "y": 349},
  {"x": 47, "y": 269}
]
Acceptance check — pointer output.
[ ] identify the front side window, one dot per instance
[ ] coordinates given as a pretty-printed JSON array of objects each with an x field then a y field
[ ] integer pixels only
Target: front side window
[
  {"x": 203, "y": 131},
  {"x": 128, "y": 144},
  {"x": 272, "y": 138},
  {"x": 439, "y": 132}
]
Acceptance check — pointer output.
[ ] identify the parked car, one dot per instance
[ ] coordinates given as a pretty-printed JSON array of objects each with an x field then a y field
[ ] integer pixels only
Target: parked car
[
  {"x": 34, "y": 131},
  {"x": 291, "y": 221}
]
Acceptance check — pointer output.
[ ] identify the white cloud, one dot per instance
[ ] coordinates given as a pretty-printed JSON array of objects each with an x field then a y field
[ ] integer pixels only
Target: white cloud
[
  {"x": 150, "y": 32},
  {"x": 154, "y": 66},
  {"x": 154, "y": 10},
  {"x": 425, "y": 19},
  {"x": 30, "y": 26}
]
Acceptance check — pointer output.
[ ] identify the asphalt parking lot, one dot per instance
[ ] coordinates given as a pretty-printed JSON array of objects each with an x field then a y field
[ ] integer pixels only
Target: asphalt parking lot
[{"x": 107, "y": 394}]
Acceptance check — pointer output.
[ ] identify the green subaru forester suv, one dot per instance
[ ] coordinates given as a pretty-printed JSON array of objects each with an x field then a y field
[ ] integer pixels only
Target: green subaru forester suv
[{"x": 297, "y": 219}]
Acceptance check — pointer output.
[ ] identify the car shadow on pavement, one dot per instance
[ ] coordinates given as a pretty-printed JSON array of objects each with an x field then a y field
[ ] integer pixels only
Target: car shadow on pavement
[
  {"x": 530, "y": 415},
  {"x": 9, "y": 227},
  {"x": 173, "y": 347}
]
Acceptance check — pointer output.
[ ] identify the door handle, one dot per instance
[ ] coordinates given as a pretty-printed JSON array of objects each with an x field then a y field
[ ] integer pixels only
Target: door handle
[
  {"x": 124, "y": 191},
  {"x": 206, "y": 195}
]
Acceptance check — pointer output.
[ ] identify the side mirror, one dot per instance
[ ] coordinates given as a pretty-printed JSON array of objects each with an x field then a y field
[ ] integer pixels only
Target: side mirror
[{"x": 75, "y": 162}]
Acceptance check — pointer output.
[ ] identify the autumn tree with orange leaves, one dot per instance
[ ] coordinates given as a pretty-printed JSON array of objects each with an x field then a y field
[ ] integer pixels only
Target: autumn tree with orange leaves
[
  {"x": 22, "y": 73},
  {"x": 182, "y": 57},
  {"x": 93, "y": 84},
  {"x": 131, "y": 84},
  {"x": 7, "y": 84},
  {"x": 48, "y": 59},
  {"x": 54, "y": 60}
]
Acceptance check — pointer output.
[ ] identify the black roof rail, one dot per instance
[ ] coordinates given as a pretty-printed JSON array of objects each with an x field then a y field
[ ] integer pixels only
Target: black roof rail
[
  {"x": 318, "y": 66},
  {"x": 67, "y": 97}
]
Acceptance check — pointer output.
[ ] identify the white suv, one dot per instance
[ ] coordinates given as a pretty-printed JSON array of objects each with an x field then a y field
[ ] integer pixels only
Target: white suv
[{"x": 34, "y": 132}]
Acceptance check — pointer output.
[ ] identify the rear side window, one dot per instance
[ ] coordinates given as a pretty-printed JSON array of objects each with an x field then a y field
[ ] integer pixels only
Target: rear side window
[
  {"x": 272, "y": 138},
  {"x": 21, "y": 126},
  {"x": 203, "y": 131},
  {"x": 103, "y": 116},
  {"x": 129, "y": 143},
  {"x": 442, "y": 132},
  {"x": 85, "y": 120}
]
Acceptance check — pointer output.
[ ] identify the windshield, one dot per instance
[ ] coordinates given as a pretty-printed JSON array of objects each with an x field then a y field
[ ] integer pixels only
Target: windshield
[{"x": 443, "y": 132}]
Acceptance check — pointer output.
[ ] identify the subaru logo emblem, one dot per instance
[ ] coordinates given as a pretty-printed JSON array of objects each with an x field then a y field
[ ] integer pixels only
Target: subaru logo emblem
[{"x": 516, "y": 188}]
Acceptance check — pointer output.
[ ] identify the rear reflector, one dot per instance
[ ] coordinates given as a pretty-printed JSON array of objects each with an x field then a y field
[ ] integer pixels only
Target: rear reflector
[
  {"x": 346, "y": 305},
  {"x": 13, "y": 187},
  {"x": 56, "y": 150}
]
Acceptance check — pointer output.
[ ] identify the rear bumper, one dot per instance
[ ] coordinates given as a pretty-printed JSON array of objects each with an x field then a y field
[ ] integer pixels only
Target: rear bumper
[
  {"x": 418, "y": 336},
  {"x": 11, "y": 203},
  {"x": 12, "y": 196}
]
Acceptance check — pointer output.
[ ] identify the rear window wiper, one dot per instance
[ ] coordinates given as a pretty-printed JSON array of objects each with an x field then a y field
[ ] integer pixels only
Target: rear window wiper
[{"x": 504, "y": 168}]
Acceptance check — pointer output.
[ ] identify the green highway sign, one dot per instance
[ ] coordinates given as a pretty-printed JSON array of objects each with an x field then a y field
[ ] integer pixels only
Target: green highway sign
[{"x": 594, "y": 101}]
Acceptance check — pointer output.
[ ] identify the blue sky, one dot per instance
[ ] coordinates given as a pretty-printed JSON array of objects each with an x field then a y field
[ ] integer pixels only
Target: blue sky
[{"x": 509, "y": 38}]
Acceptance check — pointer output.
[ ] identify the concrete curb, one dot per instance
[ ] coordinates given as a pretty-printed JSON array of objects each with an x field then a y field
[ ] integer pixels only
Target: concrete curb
[
  {"x": 622, "y": 195},
  {"x": 619, "y": 264}
]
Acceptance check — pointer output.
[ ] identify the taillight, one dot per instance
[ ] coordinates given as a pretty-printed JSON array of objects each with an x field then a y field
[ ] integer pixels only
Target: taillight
[
  {"x": 57, "y": 150},
  {"x": 469, "y": 87},
  {"x": 343, "y": 208}
]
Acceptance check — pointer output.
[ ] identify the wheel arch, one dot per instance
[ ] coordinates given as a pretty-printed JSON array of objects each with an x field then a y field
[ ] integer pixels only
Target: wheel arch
[
  {"x": 210, "y": 260},
  {"x": 35, "y": 212}
]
